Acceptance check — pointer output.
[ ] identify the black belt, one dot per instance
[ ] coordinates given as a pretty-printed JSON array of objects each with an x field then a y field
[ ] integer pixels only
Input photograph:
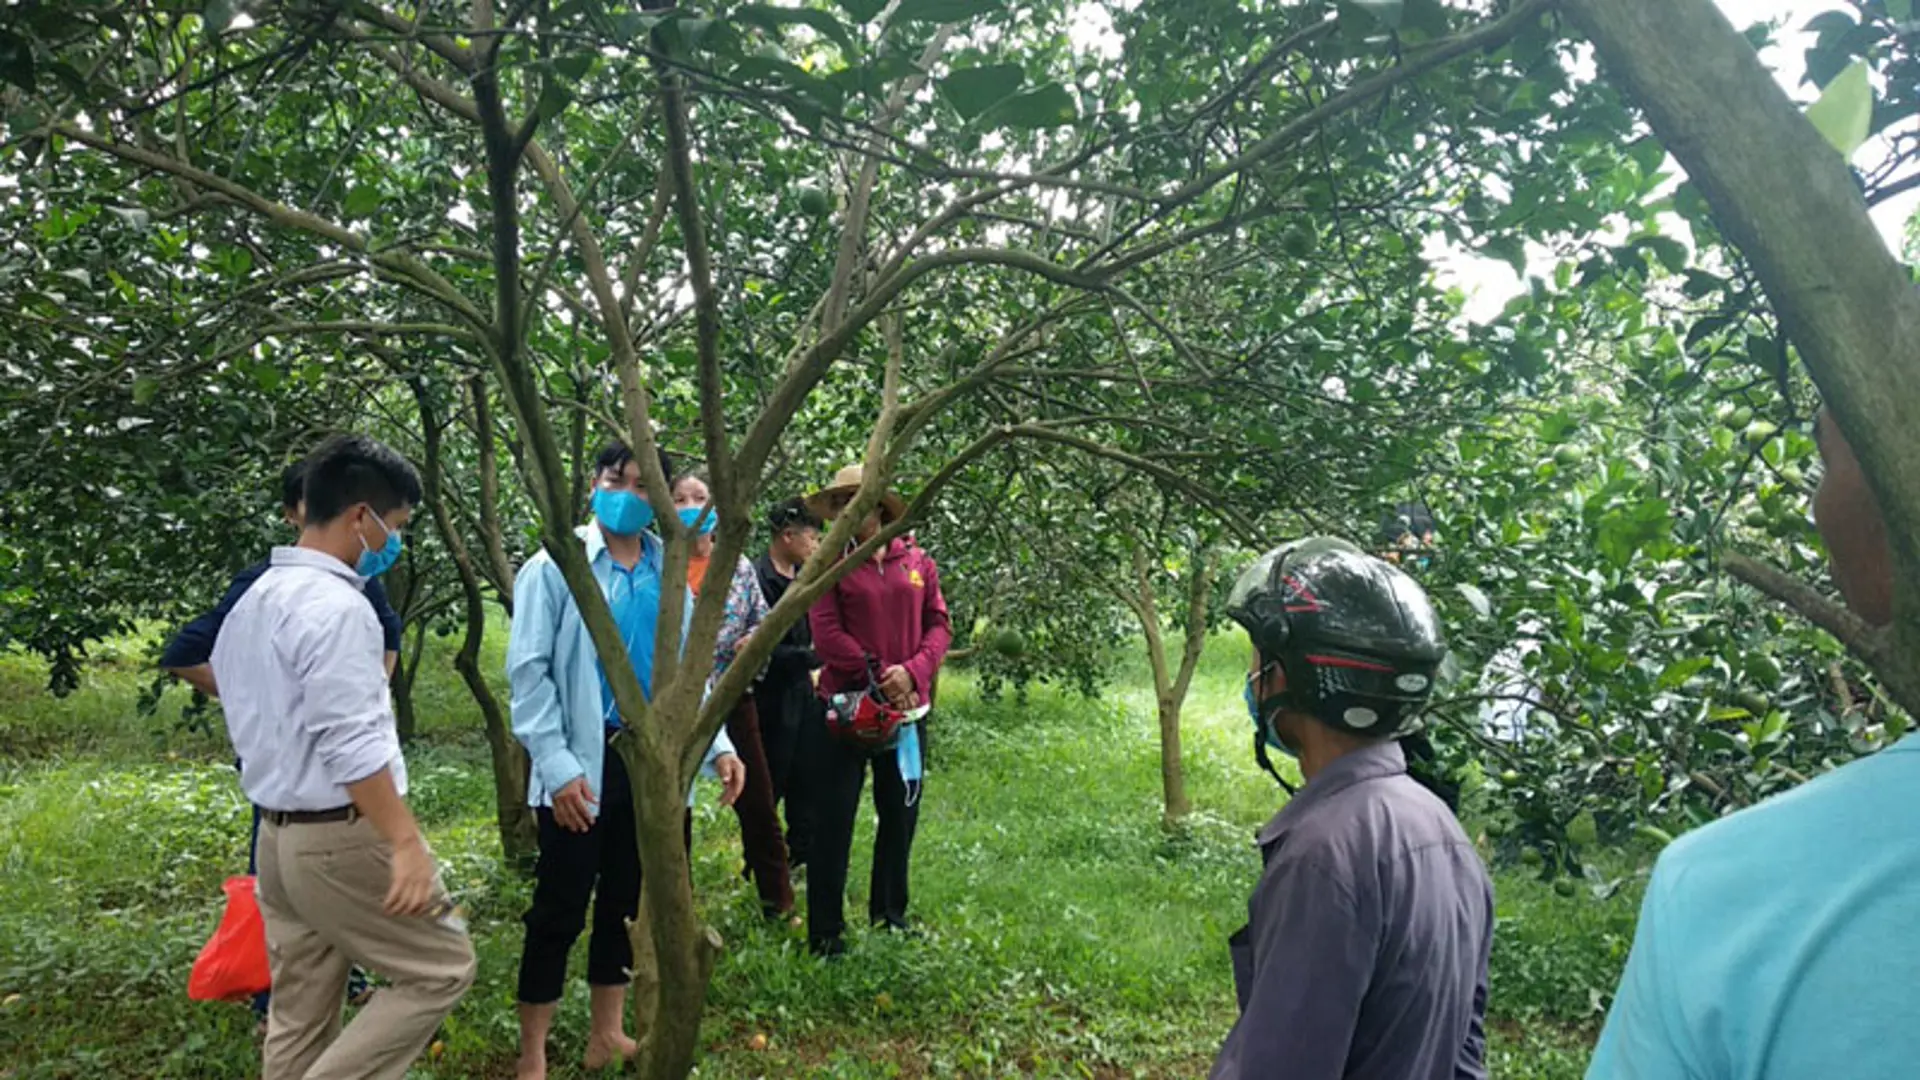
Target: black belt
[{"x": 282, "y": 818}]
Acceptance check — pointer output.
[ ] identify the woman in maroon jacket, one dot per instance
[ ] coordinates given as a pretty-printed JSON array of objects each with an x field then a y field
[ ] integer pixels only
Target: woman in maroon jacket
[{"x": 888, "y": 610}]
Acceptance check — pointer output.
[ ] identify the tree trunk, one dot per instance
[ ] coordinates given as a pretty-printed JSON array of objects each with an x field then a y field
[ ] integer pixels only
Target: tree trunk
[
  {"x": 405, "y": 723},
  {"x": 1173, "y": 774},
  {"x": 499, "y": 568},
  {"x": 406, "y": 666},
  {"x": 519, "y": 830},
  {"x": 519, "y": 833},
  {"x": 1783, "y": 196},
  {"x": 674, "y": 953},
  {"x": 1168, "y": 694}
]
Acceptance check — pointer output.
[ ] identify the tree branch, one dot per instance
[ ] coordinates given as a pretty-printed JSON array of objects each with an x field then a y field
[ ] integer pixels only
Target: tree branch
[
  {"x": 1801, "y": 598},
  {"x": 1438, "y": 54}
]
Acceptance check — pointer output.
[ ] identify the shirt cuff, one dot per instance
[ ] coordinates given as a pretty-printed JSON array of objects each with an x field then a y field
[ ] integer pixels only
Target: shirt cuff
[{"x": 559, "y": 769}]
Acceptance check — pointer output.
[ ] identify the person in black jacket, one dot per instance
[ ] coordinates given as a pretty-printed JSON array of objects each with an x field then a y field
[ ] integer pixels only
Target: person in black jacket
[{"x": 786, "y": 691}]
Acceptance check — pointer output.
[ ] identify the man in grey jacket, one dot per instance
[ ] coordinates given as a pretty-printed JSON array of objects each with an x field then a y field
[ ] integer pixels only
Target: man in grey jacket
[{"x": 1365, "y": 953}]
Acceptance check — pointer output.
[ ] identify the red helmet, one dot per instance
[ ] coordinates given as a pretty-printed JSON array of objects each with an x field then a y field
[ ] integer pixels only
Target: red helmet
[{"x": 860, "y": 717}]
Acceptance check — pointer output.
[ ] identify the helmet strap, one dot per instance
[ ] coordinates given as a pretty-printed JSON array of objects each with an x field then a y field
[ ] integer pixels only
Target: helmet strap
[{"x": 1266, "y": 762}]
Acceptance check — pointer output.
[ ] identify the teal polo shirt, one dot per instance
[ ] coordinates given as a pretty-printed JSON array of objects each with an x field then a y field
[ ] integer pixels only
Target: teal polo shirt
[{"x": 1783, "y": 942}]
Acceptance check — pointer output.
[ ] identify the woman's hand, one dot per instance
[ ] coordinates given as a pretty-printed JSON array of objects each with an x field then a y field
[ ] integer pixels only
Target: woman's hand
[{"x": 897, "y": 684}]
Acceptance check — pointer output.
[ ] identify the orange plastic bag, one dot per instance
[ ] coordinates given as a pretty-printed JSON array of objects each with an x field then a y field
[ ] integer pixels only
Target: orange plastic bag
[{"x": 233, "y": 965}]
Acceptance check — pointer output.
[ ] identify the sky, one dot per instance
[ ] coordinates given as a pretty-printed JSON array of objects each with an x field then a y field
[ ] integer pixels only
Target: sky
[{"x": 1489, "y": 283}]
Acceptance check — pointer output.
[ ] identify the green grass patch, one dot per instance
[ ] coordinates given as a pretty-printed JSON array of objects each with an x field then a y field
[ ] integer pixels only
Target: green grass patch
[{"x": 1067, "y": 933}]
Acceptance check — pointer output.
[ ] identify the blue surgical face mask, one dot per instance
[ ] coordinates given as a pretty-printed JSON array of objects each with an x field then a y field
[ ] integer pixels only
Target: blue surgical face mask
[
  {"x": 374, "y": 562},
  {"x": 704, "y": 515},
  {"x": 621, "y": 513},
  {"x": 1260, "y": 723}
]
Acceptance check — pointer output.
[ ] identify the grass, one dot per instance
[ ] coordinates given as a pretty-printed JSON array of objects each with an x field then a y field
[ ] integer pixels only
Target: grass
[{"x": 1068, "y": 934}]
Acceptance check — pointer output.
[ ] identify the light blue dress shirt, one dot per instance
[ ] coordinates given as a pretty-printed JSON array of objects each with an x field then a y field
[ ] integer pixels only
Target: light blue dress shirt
[
  {"x": 1783, "y": 942},
  {"x": 559, "y": 712}
]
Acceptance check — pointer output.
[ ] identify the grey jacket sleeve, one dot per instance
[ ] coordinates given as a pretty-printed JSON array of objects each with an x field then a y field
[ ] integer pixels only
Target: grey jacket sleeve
[{"x": 1310, "y": 958}]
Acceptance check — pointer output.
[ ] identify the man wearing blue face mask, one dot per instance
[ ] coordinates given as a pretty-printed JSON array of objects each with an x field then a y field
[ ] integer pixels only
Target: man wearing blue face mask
[
  {"x": 345, "y": 876},
  {"x": 564, "y": 713},
  {"x": 1365, "y": 952},
  {"x": 189, "y": 657}
]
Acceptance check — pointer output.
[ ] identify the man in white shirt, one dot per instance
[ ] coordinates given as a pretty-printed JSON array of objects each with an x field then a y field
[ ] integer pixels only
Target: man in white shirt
[{"x": 344, "y": 874}]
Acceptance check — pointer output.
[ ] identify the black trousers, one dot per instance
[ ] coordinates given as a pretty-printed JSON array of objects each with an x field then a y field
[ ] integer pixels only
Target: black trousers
[
  {"x": 601, "y": 865},
  {"x": 836, "y": 773},
  {"x": 784, "y": 709}
]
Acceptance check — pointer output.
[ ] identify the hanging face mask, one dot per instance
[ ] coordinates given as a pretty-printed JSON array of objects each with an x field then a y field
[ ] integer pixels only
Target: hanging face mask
[
  {"x": 374, "y": 562},
  {"x": 621, "y": 513},
  {"x": 1260, "y": 722},
  {"x": 703, "y": 516}
]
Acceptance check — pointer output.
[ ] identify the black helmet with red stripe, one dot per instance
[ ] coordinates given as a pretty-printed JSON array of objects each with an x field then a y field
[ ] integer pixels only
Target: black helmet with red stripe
[{"x": 1355, "y": 638}]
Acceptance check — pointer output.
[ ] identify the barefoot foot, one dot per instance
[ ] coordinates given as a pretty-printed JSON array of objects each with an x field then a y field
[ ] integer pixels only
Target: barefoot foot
[{"x": 608, "y": 1048}]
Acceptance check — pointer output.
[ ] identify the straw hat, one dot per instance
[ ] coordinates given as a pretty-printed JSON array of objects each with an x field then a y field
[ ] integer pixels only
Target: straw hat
[{"x": 847, "y": 481}]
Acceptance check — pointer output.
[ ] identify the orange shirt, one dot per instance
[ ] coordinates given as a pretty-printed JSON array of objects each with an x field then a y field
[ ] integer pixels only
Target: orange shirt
[{"x": 697, "y": 571}]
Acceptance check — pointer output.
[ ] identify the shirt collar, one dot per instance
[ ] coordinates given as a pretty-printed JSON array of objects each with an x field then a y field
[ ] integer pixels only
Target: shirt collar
[
  {"x": 1374, "y": 762},
  {"x": 597, "y": 544},
  {"x": 287, "y": 555}
]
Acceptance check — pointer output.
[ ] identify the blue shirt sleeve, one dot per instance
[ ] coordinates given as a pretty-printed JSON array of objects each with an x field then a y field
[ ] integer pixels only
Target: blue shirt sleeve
[
  {"x": 538, "y": 714},
  {"x": 1644, "y": 1035},
  {"x": 193, "y": 644},
  {"x": 391, "y": 626}
]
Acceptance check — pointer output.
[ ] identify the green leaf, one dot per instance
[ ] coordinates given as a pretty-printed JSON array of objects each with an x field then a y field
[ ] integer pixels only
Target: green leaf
[
  {"x": 1900, "y": 11},
  {"x": 217, "y": 16},
  {"x": 362, "y": 201},
  {"x": 824, "y": 95},
  {"x": 972, "y": 91},
  {"x": 775, "y": 19},
  {"x": 1845, "y": 109},
  {"x": 1671, "y": 253},
  {"x": 1045, "y": 107},
  {"x": 144, "y": 388},
  {"x": 862, "y": 11},
  {"x": 1508, "y": 248},
  {"x": 1677, "y": 673},
  {"x": 16, "y": 61},
  {"x": 574, "y": 66},
  {"x": 873, "y": 76},
  {"x": 554, "y": 99},
  {"x": 1481, "y": 605},
  {"x": 634, "y": 24},
  {"x": 1625, "y": 532},
  {"x": 1388, "y": 12},
  {"x": 944, "y": 11}
]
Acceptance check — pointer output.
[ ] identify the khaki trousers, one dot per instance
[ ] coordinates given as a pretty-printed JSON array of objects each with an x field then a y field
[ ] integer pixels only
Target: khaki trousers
[{"x": 322, "y": 888}]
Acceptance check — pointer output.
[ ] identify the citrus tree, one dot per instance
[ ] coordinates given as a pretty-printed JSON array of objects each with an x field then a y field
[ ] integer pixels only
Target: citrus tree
[{"x": 901, "y": 222}]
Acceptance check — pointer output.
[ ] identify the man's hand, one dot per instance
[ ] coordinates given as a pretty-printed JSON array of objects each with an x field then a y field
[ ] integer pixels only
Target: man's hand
[
  {"x": 897, "y": 684},
  {"x": 573, "y": 805},
  {"x": 733, "y": 777},
  {"x": 411, "y": 893},
  {"x": 199, "y": 676}
]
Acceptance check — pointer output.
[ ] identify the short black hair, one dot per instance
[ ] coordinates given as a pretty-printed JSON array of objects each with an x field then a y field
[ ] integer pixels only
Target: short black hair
[
  {"x": 791, "y": 514},
  {"x": 348, "y": 470},
  {"x": 614, "y": 457},
  {"x": 1406, "y": 519},
  {"x": 293, "y": 486}
]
